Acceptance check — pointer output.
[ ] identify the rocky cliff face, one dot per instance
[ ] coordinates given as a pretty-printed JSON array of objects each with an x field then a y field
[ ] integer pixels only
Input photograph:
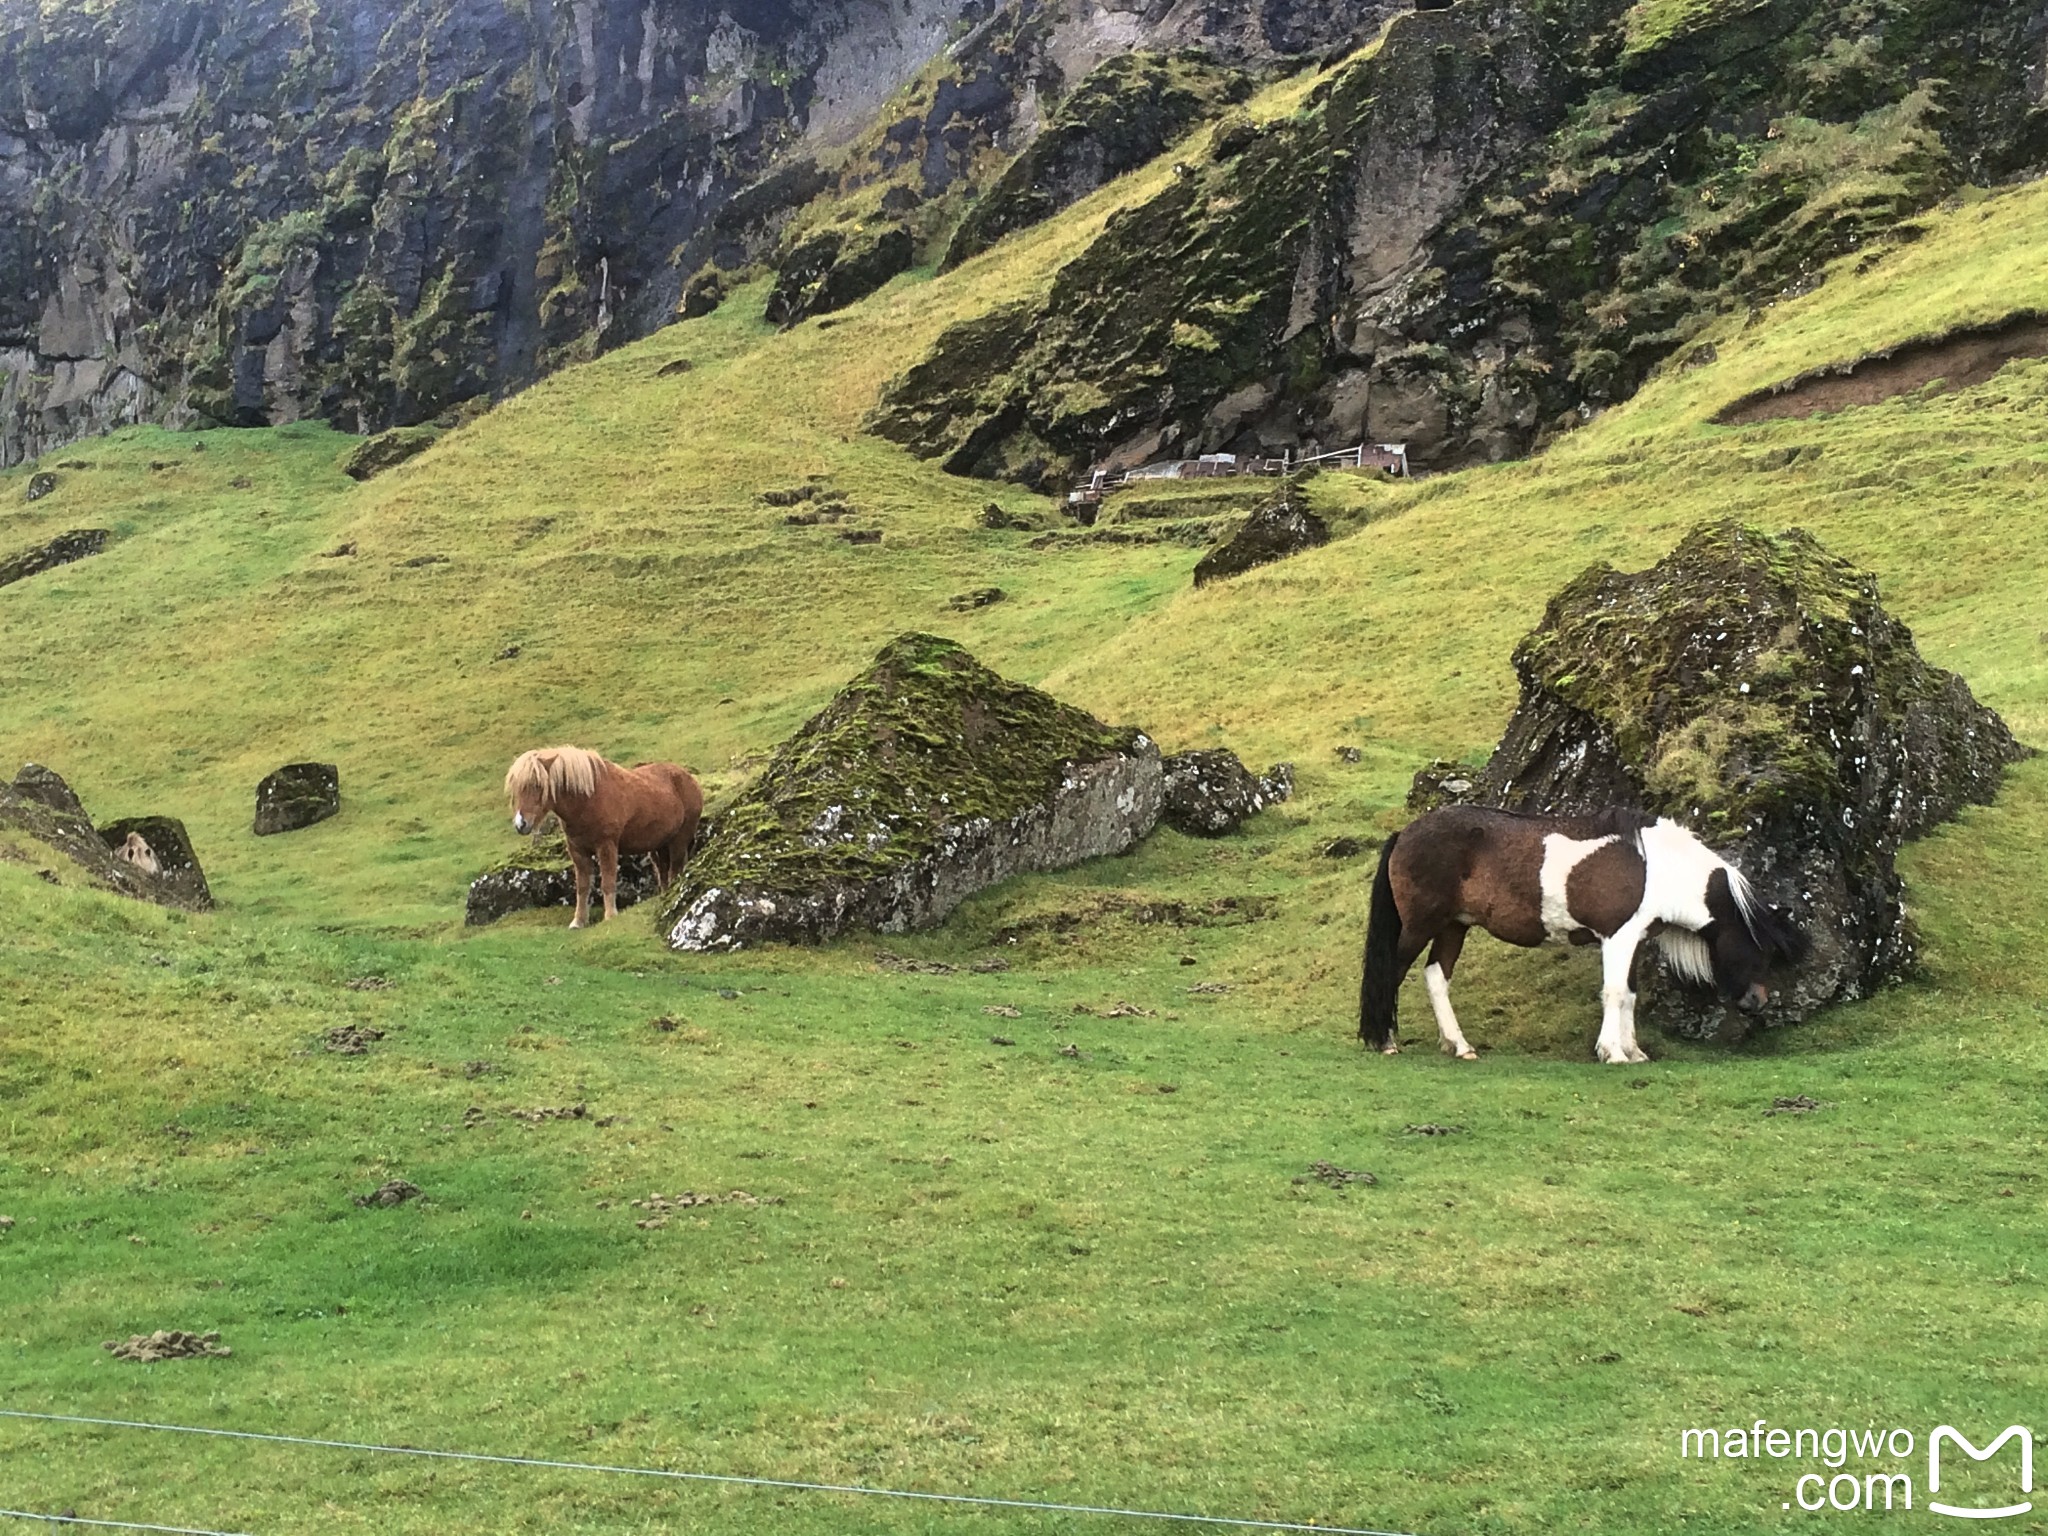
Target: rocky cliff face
[{"x": 249, "y": 211}]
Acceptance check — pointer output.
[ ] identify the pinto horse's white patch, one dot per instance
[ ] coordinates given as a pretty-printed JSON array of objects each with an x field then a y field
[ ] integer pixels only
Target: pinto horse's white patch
[{"x": 1562, "y": 855}]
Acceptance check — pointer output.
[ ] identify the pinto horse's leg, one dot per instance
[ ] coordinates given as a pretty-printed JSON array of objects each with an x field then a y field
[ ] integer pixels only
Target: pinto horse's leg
[
  {"x": 1617, "y": 1003},
  {"x": 581, "y": 860},
  {"x": 608, "y": 872},
  {"x": 1443, "y": 959}
]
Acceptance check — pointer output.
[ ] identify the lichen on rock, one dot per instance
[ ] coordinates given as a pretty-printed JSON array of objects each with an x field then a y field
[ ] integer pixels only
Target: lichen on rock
[
  {"x": 926, "y": 779},
  {"x": 1753, "y": 687},
  {"x": 1210, "y": 792}
]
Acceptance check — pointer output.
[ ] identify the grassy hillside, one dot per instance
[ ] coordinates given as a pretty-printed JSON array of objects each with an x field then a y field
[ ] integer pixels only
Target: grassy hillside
[{"x": 962, "y": 1265}]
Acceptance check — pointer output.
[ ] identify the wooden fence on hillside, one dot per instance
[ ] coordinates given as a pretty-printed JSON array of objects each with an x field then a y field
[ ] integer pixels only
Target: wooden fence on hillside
[{"x": 1384, "y": 458}]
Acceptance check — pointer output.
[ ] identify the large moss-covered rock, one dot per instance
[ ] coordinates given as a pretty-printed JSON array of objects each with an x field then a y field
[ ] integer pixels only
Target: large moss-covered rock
[
  {"x": 1753, "y": 687},
  {"x": 540, "y": 875},
  {"x": 926, "y": 779},
  {"x": 297, "y": 795}
]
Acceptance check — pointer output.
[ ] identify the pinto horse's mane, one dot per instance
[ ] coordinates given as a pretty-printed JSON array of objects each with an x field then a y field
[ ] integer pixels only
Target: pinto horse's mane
[{"x": 555, "y": 772}]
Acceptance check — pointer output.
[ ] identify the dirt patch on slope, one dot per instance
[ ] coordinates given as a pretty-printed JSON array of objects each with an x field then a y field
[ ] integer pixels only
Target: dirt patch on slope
[{"x": 1959, "y": 360}]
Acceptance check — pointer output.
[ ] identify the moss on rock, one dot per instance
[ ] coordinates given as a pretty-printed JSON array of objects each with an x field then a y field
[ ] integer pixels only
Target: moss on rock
[
  {"x": 387, "y": 450},
  {"x": 925, "y": 779},
  {"x": 1753, "y": 687}
]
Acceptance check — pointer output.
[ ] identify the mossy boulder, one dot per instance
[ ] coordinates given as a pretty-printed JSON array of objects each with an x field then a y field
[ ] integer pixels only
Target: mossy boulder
[
  {"x": 836, "y": 267},
  {"x": 540, "y": 875},
  {"x": 62, "y": 550},
  {"x": 297, "y": 795},
  {"x": 387, "y": 450},
  {"x": 702, "y": 294},
  {"x": 1753, "y": 687},
  {"x": 1280, "y": 526},
  {"x": 926, "y": 779}
]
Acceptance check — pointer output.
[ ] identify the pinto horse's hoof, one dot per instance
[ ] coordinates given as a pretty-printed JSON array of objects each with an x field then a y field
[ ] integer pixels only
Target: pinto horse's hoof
[
  {"x": 1391, "y": 1048},
  {"x": 1468, "y": 1055}
]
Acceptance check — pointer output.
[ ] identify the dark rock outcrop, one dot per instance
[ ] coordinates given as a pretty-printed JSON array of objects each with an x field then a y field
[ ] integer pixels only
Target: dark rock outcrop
[
  {"x": 387, "y": 450},
  {"x": 251, "y": 211},
  {"x": 1211, "y": 792},
  {"x": 1282, "y": 526},
  {"x": 41, "y": 805},
  {"x": 1753, "y": 688},
  {"x": 1128, "y": 110},
  {"x": 540, "y": 875},
  {"x": 62, "y": 550},
  {"x": 835, "y": 268},
  {"x": 297, "y": 795},
  {"x": 40, "y": 485},
  {"x": 47, "y": 787},
  {"x": 926, "y": 779},
  {"x": 179, "y": 879}
]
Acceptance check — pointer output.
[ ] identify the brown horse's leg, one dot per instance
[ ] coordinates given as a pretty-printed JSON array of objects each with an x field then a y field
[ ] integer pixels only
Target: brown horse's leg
[
  {"x": 1410, "y": 950},
  {"x": 608, "y": 872},
  {"x": 1443, "y": 959},
  {"x": 581, "y": 860}
]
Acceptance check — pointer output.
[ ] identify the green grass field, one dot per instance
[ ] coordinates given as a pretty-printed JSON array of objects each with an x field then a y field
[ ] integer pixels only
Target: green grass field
[{"x": 962, "y": 1266}]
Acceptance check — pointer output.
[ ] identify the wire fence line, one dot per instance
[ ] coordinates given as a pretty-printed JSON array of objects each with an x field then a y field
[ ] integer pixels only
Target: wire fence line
[
  {"x": 115, "y": 1525},
  {"x": 791, "y": 1485}
]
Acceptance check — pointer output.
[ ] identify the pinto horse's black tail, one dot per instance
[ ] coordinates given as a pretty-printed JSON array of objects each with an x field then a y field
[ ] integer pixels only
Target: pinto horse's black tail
[{"x": 1380, "y": 991}]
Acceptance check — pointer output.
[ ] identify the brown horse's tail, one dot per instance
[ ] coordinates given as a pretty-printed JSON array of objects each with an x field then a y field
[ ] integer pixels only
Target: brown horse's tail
[{"x": 1380, "y": 991}]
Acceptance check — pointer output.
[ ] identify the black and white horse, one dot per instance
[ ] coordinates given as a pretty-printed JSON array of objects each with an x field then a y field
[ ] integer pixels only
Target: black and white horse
[{"x": 1614, "y": 879}]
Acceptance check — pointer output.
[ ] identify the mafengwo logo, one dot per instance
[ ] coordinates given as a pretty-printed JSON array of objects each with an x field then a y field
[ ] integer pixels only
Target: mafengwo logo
[
  {"x": 1954, "y": 1437},
  {"x": 1881, "y": 1477}
]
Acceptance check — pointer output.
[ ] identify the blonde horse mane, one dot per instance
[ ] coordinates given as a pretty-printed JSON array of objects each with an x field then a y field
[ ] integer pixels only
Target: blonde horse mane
[{"x": 555, "y": 772}]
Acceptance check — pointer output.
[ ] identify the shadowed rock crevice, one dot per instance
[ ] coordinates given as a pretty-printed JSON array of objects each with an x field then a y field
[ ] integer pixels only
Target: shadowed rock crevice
[
  {"x": 1752, "y": 687},
  {"x": 926, "y": 779}
]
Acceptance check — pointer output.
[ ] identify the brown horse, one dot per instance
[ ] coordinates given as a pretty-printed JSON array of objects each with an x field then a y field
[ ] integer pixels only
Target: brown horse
[{"x": 605, "y": 811}]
